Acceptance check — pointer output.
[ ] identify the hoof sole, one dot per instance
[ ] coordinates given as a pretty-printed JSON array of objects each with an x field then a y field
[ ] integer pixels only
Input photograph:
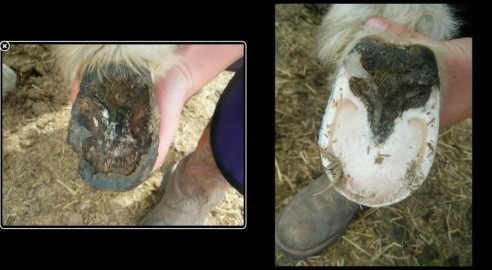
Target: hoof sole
[
  {"x": 380, "y": 127},
  {"x": 115, "y": 127}
]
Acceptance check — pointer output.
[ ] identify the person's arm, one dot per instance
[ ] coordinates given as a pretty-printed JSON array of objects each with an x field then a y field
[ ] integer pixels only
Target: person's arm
[{"x": 457, "y": 98}]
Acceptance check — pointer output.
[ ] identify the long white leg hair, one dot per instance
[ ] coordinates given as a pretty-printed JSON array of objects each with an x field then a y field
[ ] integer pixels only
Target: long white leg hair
[{"x": 74, "y": 60}]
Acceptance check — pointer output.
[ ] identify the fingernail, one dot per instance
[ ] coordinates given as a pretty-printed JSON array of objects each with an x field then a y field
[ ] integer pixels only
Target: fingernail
[{"x": 376, "y": 23}]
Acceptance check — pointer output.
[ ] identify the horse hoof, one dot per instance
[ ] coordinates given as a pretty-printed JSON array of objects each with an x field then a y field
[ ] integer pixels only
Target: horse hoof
[
  {"x": 115, "y": 127},
  {"x": 379, "y": 132}
]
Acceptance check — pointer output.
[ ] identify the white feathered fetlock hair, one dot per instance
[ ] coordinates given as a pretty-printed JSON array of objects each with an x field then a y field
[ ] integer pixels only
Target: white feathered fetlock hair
[{"x": 74, "y": 60}]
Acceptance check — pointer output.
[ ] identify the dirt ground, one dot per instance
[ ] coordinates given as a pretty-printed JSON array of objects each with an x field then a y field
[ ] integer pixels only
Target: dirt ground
[
  {"x": 431, "y": 227},
  {"x": 40, "y": 182}
]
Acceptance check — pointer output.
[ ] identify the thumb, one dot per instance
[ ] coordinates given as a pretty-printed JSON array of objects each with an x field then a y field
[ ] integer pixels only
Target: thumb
[{"x": 397, "y": 29}]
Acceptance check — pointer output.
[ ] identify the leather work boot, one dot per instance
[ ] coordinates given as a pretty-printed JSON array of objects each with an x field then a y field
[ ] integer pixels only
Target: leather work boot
[
  {"x": 191, "y": 190},
  {"x": 314, "y": 220}
]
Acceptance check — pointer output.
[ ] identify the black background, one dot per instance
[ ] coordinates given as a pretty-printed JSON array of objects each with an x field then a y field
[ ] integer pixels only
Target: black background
[{"x": 252, "y": 22}]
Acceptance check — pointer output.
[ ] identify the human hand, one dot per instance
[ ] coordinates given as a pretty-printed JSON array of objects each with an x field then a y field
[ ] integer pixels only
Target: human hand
[{"x": 457, "y": 99}]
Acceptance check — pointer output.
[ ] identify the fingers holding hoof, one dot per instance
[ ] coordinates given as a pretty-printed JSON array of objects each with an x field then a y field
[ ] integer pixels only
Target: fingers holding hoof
[{"x": 114, "y": 127}]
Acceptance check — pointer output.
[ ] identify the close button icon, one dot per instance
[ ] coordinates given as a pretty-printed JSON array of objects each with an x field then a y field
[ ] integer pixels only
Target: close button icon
[{"x": 4, "y": 46}]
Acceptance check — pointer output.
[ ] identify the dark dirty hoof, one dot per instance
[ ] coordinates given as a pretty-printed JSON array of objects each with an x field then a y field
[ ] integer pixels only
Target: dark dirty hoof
[
  {"x": 115, "y": 127},
  {"x": 382, "y": 121}
]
